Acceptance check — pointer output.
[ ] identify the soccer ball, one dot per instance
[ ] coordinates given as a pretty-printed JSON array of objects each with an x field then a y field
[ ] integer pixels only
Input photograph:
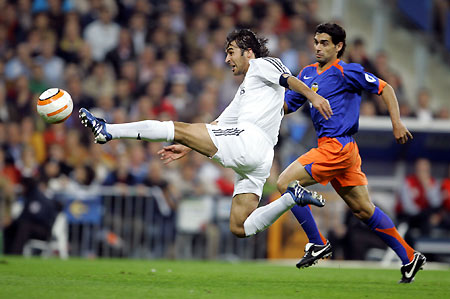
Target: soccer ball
[{"x": 54, "y": 105}]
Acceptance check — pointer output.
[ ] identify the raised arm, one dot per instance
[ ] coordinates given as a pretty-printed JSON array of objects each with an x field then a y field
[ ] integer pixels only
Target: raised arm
[{"x": 401, "y": 133}]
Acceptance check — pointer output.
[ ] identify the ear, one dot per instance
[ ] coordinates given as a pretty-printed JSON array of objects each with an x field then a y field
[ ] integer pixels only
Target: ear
[
  {"x": 339, "y": 46},
  {"x": 249, "y": 53}
]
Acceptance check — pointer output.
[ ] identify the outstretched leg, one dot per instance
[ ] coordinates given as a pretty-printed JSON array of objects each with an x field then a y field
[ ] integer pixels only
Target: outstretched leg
[{"x": 194, "y": 136}]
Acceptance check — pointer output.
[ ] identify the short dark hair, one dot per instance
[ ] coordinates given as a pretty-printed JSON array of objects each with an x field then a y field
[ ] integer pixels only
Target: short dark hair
[
  {"x": 246, "y": 39},
  {"x": 336, "y": 32}
]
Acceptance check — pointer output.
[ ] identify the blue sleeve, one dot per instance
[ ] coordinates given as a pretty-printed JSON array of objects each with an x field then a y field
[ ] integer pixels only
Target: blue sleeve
[
  {"x": 293, "y": 100},
  {"x": 357, "y": 79}
]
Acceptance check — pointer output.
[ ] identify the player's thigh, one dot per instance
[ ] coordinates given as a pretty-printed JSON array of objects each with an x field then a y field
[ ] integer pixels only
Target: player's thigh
[
  {"x": 195, "y": 136},
  {"x": 295, "y": 171},
  {"x": 358, "y": 200},
  {"x": 241, "y": 207}
]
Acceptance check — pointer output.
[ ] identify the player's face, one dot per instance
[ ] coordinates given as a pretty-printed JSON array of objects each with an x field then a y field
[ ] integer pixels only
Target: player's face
[
  {"x": 237, "y": 59},
  {"x": 326, "y": 51}
]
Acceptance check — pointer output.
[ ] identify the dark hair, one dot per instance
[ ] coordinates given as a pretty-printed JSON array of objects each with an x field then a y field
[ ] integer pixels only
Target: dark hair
[
  {"x": 336, "y": 32},
  {"x": 246, "y": 39}
]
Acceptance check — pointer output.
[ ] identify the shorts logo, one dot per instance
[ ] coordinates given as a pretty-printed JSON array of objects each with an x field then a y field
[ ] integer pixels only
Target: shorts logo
[
  {"x": 242, "y": 91},
  {"x": 227, "y": 132}
]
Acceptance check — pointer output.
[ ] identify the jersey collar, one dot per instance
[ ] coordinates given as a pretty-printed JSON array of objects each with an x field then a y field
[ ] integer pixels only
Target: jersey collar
[{"x": 335, "y": 63}]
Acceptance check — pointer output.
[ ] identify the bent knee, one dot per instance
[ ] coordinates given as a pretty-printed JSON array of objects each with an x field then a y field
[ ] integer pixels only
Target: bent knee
[{"x": 282, "y": 184}]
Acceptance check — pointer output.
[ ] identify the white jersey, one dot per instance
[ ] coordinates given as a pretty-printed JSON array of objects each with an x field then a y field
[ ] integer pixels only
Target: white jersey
[{"x": 260, "y": 98}]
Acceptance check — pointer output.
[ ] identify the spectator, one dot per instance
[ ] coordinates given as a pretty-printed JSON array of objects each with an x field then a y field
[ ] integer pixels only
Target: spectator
[
  {"x": 14, "y": 145},
  {"x": 52, "y": 65},
  {"x": 124, "y": 95},
  {"x": 368, "y": 109},
  {"x": 101, "y": 82},
  {"x": 28, "y": 165},
  {"x": 86, "y": 62},
  {"x": 382, "y": 65},
  {"x": 142, "y": 109},
  {"x": 79, "y": 98},
  {"x": 4, "y": 108},
  {"x": 7, "y": 197},
  {"x": 288, "y": 55},
  {"x": 124, "y": 51},
  {"x": 198, "y": 78},
  {"x": 71, "y": 41},
  {"x": 21, "y": 97},
  {"x": 177, "y": 16},
  {"x": 181, "y": 99},
  {"x": 195, "y": 38},
  {"x": 35, "y": 221},
  {"x": 121, "y": 176},
  {"x": 6, "y": 50},
  {"x": 81, "y": 180},
  {"x": 298, "y": 34},
  {"x": 444, "y": 113},
  {"x": 20, "y": 64},
  {"x": 245, "y": 18},
  {"x": 358, "y": 54},
  {"x": 154, "y": 178},
  {"x": 418, "y": 199},
  {"x": 443, "y": 219},
  {"x": 102, "y": 34},
  {"x": 424, "y": 112},
  {"x": 138, "y": 162},
  {"x": 146, "y": 62},
  {"x": 33, "y": 139},
  {"x": 174, "y": 65},
  {"x": 225, "y": 183},
  {"x": 9, "y": 174},
  {"x": 405, "y": 109},
  {"x": 38, "y": 83},
  {"x": 129, "y": 72},
  {"x": 139, "y": 32},
  {"x": 43, "y": 28},
  {"x": 161, "y": 105}
]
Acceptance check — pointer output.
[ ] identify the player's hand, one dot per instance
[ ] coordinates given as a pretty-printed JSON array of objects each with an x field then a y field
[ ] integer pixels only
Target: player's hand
[
  {"x": 322, "y": 105},
  {"x": 173, "y": 152},
  {"x": 401, "y": 133}
]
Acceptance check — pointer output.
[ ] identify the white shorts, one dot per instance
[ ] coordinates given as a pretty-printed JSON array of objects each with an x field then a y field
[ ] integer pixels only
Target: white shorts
[{"x": 245, "y": 149}]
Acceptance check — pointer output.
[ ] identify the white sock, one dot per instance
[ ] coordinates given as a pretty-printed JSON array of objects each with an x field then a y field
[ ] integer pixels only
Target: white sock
[
  {"x": 150, "y": 130},
  {"x": 264, "y": 216}
]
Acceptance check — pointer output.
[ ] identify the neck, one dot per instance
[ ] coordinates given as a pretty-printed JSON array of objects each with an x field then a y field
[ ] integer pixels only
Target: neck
[
  {"x": 247, "y": 66},
  {"x": 325, "y": 65}
]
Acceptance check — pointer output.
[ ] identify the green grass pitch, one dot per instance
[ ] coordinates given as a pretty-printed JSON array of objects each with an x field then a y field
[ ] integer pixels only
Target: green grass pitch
[{"x": 107, "y": 278}]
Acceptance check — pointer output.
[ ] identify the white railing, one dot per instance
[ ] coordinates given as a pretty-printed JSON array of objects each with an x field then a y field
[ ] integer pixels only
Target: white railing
[{"x": 137, "y": 223}]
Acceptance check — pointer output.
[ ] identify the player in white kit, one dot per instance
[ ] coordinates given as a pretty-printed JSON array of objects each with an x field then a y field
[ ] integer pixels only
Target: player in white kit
[{"x": 241, "y": 138}]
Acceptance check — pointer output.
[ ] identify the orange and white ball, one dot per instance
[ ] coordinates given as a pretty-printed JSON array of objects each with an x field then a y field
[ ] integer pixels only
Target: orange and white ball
[{"x": 54, "y": 105}]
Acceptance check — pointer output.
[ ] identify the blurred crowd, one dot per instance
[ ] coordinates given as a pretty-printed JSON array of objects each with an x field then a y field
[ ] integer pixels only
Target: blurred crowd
[{"x": 131, "y": 60}]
